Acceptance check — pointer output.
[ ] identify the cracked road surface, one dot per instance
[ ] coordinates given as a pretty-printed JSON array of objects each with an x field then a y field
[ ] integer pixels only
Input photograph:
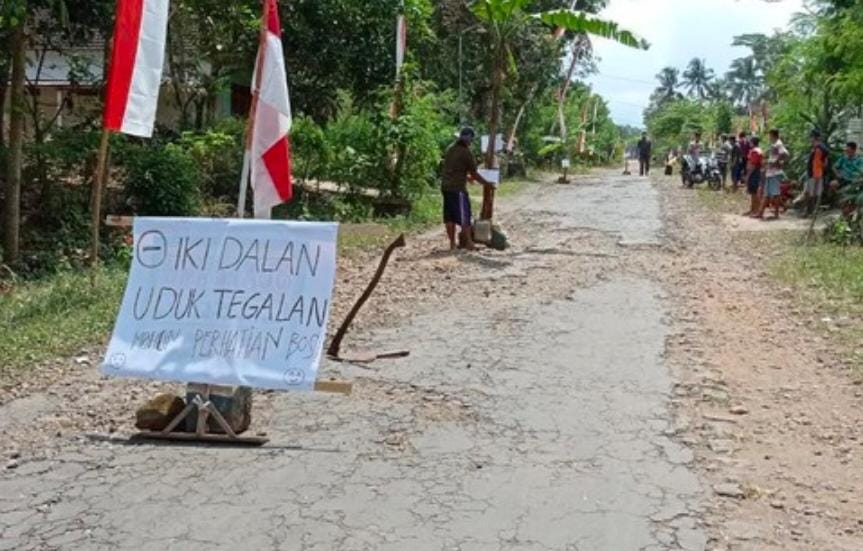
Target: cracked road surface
[{"x": 532, "y": 415}]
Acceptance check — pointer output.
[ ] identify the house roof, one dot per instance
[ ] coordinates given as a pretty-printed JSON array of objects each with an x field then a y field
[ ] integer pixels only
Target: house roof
[{"x": 83, "y": 65}]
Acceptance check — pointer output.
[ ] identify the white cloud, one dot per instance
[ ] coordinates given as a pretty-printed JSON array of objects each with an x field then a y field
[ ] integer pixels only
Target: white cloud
[{"x": 678, "y": 30}]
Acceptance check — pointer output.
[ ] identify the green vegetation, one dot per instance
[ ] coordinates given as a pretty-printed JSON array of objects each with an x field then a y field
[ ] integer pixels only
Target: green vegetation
[
  {"x": 376, "y": 137},
  {"x": 58, "y": 316},
  {"x": 828, "y": 278},
  {"x": 366, "y": 144}
]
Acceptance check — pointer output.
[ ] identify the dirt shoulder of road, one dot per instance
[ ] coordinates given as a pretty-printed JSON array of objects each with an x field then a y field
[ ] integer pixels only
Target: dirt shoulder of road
[
  {"x": 764, "y": 397},
  {"x": 43, "y": 406}
]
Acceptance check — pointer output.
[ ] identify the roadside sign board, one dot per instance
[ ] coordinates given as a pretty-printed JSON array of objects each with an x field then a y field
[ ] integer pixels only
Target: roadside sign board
[{"x": 225, "y": 302}]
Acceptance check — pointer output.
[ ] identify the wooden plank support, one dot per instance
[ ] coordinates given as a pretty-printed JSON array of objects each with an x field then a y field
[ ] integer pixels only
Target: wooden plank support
[
  {"x": 334, "y": 387},
  {"x": 114, "y": 221},
  {"x": 205, "y": 438}
]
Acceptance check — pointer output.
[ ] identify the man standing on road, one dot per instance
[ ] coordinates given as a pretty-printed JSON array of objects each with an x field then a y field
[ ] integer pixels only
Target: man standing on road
[
  {"x": 723, "y": 154},
  {"x": 459, "y": 164},
  {"x": 645, "y": 149},
  {"x": 740, "y": 158},
  {"x": 819, "y": 159},
  {"x": 777, "y": 159},
  {"x": 695, "y": 148}
]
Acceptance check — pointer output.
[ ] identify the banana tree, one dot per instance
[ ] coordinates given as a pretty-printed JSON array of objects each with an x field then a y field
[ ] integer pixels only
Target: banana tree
[{"x": 503, "y": 20}]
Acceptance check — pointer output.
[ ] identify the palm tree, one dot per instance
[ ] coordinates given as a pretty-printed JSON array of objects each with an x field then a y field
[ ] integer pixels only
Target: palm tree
[
  {"x": 503, "y": 20},
  {"x": 669, "y": 82},
  {"x": 697, "y": 79},
  {"x": 745, "y": 82}
]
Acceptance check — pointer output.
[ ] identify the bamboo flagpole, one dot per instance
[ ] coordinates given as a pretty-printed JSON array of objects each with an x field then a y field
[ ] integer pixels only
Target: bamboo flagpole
[
  {"x": 131, "y": 95},
  {"x": 253, "y": 106},
  {"x": 268, "y": 128},
  {"x": 96, "y": 196}
]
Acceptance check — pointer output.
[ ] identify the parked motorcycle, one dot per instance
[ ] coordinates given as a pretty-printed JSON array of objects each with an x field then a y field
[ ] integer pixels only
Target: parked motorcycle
[{"x": 705, "y": 169}]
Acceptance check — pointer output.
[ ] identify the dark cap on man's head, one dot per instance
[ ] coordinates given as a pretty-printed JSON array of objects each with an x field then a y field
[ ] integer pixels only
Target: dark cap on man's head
[
  {"x": 467, "y": 133},
  {"x": 815, "y": 134}
]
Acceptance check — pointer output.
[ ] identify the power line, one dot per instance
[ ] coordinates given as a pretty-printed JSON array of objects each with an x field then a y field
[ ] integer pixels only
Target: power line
[{"x": 625, "y": 79}]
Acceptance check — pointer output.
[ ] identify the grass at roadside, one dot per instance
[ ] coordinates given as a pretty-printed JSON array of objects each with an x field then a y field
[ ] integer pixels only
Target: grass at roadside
[
  {"x": 723, "y": 202},
  {"x": 829, "y": 279},
  {"x": 58, "y": 316}
]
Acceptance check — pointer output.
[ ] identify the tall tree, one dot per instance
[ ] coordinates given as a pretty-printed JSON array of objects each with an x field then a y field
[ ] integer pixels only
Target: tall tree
[
  {"x": 503, "y": 20},
  {"x": 669, "y": 83},
  {"x": 697, "y": 78},
  {"x": 12, "y": 19},
  {"x": 744, "y": 82}
]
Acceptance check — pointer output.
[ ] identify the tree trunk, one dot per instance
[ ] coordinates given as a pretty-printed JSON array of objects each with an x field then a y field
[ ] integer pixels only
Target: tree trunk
[
  {"x": 487, "y": 212},
  {"x": 12, "y": 210},
  {"x": 4, "y": 79},
  {"x": 397, "y": 155},
  {"x": 510, "y": 143},
  {"x": 564, "y": 90}
]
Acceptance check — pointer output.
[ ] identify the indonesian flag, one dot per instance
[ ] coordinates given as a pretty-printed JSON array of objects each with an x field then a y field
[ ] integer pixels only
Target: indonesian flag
[
  {"x": 135, "y": 74},
  {"x": 401, "y": 42},
  {"x": 270, "y": 148}
]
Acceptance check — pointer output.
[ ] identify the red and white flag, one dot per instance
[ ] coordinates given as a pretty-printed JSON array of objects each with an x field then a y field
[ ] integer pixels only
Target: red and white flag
[
  {"x": 269, "y": 152},
  {"x": 135, "y": 74},
  {"x": 401, "y": 42}
]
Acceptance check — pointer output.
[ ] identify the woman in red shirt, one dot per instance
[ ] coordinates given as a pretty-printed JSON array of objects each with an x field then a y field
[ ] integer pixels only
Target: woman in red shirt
[{"x": 754, "y": 162}]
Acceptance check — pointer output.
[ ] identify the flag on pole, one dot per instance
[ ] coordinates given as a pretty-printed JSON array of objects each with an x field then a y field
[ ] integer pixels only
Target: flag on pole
[
  {"x": 401, "y": 42},
  {"x": 269, "y": 154},
  {"x": 135, "y": 73}
]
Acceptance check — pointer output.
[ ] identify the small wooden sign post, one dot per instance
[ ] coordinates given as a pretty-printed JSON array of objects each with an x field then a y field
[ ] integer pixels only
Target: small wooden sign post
[{"x": 206, "y": 408}]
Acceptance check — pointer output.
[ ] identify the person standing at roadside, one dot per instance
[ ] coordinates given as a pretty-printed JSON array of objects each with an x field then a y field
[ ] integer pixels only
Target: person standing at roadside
[
  {"x": 645, "y": 150},
  {"x": 459, "y": 164},
  {"x": 777, "y": 159},
  {"x": 754, "y": 162},
  {"x": 848, "y": 171},
  {"x": 740, "y": 156},
  {"x": 819, "y": 159},
  {"x": 695, "y": 148},
  {"x": 723, "y": 155}
]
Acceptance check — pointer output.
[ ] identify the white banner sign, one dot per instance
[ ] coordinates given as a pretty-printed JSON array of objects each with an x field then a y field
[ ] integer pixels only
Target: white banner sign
[
  {"x": 490, "y": 174},
  {"x": 499, "y": 144},
  {"x": 226, "y": 302}
]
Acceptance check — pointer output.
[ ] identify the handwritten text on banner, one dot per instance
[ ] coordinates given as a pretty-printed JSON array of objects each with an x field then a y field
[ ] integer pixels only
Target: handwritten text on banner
[{"x": 226, "y": 302}]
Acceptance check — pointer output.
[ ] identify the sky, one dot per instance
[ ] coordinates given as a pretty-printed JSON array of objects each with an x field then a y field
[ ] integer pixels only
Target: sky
[{"x": 677, "y": 30}]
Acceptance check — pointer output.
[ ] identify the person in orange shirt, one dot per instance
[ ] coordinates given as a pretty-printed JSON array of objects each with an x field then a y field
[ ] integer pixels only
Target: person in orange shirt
[{"x": 819, "y": 159}]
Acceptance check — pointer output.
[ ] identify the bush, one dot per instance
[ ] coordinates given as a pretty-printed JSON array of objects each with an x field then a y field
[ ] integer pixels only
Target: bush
[
  {"x": 420, "y": 135},
  {"x": 357, "y": 148},
  {"x": 218, "y": 155},
  {"x": 161, "y": 180}
]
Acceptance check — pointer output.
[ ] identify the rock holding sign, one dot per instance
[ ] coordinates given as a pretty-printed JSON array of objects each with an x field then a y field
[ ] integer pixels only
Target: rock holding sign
[{"x": 226, "y": 302}]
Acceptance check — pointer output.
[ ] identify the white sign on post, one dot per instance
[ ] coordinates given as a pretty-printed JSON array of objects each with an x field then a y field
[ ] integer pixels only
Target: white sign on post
[
  {"x": 226, "y": 302},
  {"x": 490, "y": 174},
  {"x": 499, "y": 144}
]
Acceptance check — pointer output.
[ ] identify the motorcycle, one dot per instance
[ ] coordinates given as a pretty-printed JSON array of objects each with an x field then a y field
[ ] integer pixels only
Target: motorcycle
[{"x": 705, "y": 169}]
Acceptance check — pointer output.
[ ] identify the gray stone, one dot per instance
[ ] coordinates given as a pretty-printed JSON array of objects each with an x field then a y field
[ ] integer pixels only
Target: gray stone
[
  {"x": 729, "y": 490},
  {"x": 234, "y": 403}
]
